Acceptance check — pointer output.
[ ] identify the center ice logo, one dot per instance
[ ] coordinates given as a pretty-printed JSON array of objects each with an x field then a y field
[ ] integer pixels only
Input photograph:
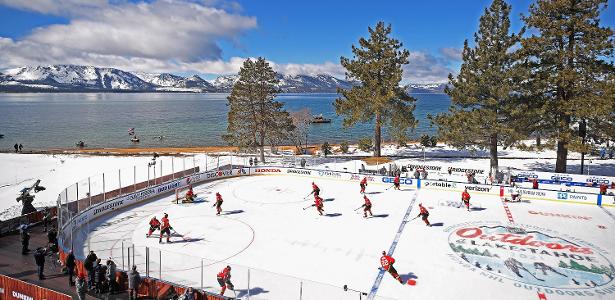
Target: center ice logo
[{"x": 531, "y": 256}]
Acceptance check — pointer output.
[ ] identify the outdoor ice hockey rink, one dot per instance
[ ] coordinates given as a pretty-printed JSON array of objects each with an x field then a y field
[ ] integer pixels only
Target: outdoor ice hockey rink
[{"x": 280, "y": 248}]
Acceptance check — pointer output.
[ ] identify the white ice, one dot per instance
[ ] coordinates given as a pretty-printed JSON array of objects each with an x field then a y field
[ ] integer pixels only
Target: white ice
[{"x": 265, "y": 234}]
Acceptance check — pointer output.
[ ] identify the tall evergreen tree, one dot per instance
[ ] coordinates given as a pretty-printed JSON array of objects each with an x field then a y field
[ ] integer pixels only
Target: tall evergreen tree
[
  {"x": 254, "y": 118},
  {"x": 481, "y": 112},
  {"x": 567, "y": 58},
  {"x": 377, "y": 64}
]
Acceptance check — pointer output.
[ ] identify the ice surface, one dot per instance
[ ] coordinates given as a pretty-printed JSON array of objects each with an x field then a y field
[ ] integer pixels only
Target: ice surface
[{"x": 265, "y": 234}]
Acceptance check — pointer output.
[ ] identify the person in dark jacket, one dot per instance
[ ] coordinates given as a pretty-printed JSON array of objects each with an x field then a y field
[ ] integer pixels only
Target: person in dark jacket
[
  {"x": 111, "y": 268},
  {"x": 25, "y": 239},
  {"x": 39, "y": 258},
  {"x": 100, "y": 271},
  {"x": 88, "y": 264},
  {"x": 70, "y": 267},
  {"x": 81, "y": 287},
  {"x": 52, "y": 236},
  {"x": 16, "y": 148},
  {"x": 46, "y": 218},
  {"x": 134, "y": 279}
]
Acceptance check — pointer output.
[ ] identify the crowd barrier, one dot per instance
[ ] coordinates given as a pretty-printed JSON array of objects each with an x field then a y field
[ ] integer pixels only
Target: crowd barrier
[
  {"x": 11, "y": 288},
  {"x": 81, "y": 211}
]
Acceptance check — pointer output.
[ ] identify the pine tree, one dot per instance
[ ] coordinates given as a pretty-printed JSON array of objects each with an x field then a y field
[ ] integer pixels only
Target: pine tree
[
  {"x": 377, "y": 64},
  {"x": 254, "y": 118},
  {"x": 481, "y": 113},
  {"x": 567, "y": 58}
]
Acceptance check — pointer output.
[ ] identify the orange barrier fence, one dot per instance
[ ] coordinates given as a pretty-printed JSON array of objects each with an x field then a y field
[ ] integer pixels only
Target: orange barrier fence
[
  {"x": 11, "y": 288},
  {"x": 149, "y": 287}
]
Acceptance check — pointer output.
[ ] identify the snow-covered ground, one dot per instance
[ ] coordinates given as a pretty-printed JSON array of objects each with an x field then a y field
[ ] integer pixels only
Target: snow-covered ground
[
  {"x": 60, "y": 171},
  {"x": 279, "y": 250}
]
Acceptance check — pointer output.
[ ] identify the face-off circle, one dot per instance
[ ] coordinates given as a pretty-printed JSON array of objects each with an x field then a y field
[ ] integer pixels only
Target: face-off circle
[
  {"x": 531, "y": 255},
  {"x": 209, "y": 240}
]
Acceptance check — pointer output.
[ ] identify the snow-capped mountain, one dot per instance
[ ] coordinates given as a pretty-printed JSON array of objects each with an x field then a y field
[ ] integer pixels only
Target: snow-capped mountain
[
  {"x": 162, "y": 79},
  {"x": 174, "y": 83},
  {"x": 224, "y": 83},
  {"x": 422, "y": 88},
  {"x": 292, "y": 83},
  {"x": 74, "y": 78},
  {"x": 196, "y": 82}
]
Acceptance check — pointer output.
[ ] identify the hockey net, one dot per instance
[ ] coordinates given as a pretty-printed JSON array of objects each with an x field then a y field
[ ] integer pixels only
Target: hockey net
[{"x": 180, "y": 193}]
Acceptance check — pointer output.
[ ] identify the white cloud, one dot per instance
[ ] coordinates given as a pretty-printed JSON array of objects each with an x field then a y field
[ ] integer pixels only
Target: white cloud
[
  {"x": 452, "y": 53},
  {"x": 179, "y": 32},
  {"x": 310, "y": 69},
  {"x": 426, "y": 68}
]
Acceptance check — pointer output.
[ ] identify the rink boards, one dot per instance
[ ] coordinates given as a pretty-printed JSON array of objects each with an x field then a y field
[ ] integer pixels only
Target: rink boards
[{"x": 557, "y": 223}]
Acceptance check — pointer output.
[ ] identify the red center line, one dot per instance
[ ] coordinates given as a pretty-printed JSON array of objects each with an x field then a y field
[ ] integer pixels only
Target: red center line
[{"x": 507, "y": 210}]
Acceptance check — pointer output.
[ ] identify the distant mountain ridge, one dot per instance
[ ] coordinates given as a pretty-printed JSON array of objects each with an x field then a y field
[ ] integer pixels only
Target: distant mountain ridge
[
  {"x": 425, "y": 88},
  {"x": 75, "y": 78}
]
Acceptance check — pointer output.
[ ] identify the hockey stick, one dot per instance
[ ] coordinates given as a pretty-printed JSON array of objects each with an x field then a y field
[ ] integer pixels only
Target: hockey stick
[
  {"x": 359, "y": 207},
  {"x": 185, "y": 238},
  {"x": 308, "y": 206},
  {"x": 308, "y": 194},
  {"x": 389, "y": 188}
]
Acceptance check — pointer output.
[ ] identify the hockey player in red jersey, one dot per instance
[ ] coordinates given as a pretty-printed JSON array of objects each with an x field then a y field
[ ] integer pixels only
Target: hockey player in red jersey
[
  {"x": 363, "y": 184},
  {"x": 396, "y": 182},
  {"x": 165, "y": 228},
  {"x": 465, "y": 197},
  {"x": 189, "y": 195},
  {"x": 224, "y": 279},
  {"x": 153, "y": 225},
  {"x": 424, "y": 214},
  {"x": 218, "y": 204},
  {"x": 367, "y": 207},
  {"x": 319, "y": 204},
  {"x": 387, "y": 264},
  {"x": 315, "y": 189}
]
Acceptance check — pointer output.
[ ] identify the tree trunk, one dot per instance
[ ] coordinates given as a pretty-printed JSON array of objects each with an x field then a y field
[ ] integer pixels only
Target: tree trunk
[
  {"x": 562, "y": 155},
  {"x": 262, "y": 148},
  {"x": 583, "y": 134},
  {"x": 493, "y": 155},
  {"x": 377, "y": 135}
]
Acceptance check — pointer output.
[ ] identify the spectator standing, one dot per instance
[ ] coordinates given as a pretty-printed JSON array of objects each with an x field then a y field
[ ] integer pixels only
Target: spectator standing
[
  {"x": 39, "y": 258},
  {"x": 16, "y": 148},
  {"x": 25, "y": 239},
  {"x": 88, "y": 264},
  {"x": 70, "y": 268},
  {"x": 100, "y": 273},
  {"x": 46, "y": 218},
  {"x": 111, "y": 268},
  {"x": 20, "y": 147},
  {"x": 52, "y": 236},
  {"x": 189, "y": 294},
  {"x": 81, "y": 286},
  {"x": 134, "y": 279}
]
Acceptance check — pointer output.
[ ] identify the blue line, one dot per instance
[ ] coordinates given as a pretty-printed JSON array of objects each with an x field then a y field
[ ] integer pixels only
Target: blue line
[
  {"x": 608, "y": 212},
  {"x": 372, "y": 292}
]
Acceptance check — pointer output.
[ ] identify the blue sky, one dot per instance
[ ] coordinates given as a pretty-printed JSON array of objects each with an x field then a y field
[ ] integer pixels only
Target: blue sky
[{"x": 213, "y": 37}]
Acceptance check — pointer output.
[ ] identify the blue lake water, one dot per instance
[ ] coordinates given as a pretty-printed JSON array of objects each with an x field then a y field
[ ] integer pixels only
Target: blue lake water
[{"x": 43, "y": 121}]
